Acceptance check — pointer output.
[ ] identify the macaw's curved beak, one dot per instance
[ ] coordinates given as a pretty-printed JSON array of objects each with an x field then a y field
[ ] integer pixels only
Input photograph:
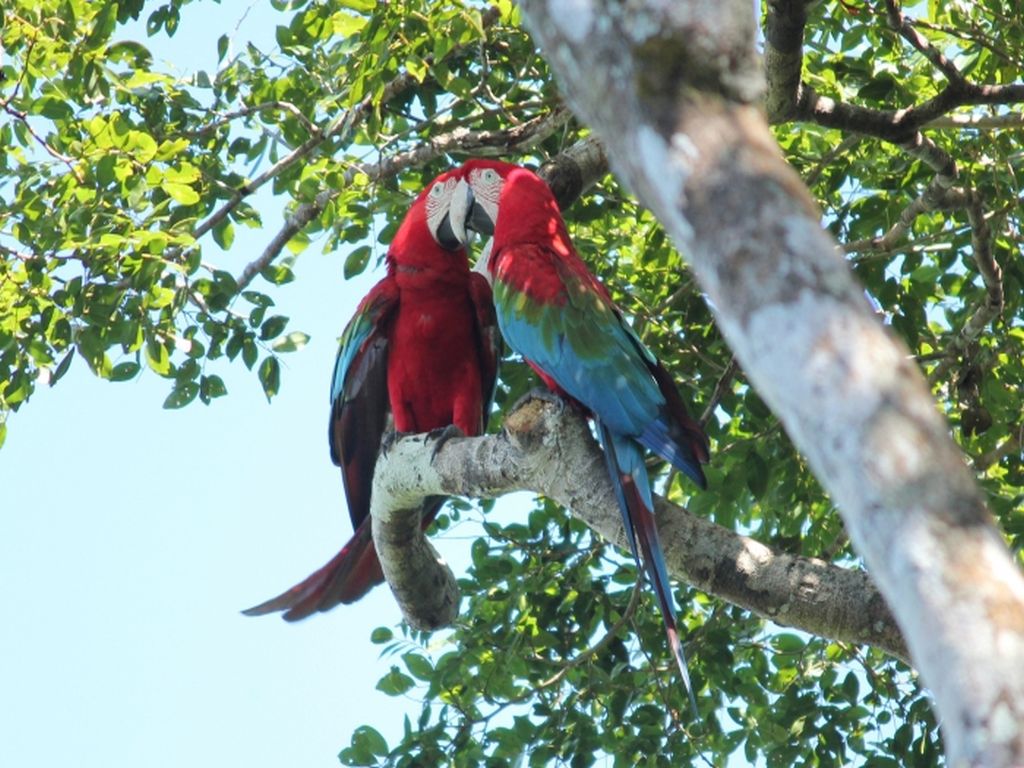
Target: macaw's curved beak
[
  {"x": 465, "y": 214},
  {"x": 451, "y": 232},
  {"x": 478, "y": 219}
]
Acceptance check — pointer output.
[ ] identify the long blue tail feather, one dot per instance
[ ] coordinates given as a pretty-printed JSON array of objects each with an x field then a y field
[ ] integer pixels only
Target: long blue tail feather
[{"x": 625, "y": 461}]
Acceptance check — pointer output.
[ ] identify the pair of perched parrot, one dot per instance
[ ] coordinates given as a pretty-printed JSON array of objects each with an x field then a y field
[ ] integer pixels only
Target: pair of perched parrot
[{"x": 423, "y": 348}]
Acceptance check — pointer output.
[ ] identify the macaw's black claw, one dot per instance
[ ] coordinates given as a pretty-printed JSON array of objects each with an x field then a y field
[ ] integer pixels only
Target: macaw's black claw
[
  {"x": 391, "y": 436},
  {"x": 442, "y": 435}
]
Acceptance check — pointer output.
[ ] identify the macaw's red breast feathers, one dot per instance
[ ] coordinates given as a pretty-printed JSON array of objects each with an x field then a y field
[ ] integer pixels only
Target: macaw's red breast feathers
[{"x": 421, "y": 352}]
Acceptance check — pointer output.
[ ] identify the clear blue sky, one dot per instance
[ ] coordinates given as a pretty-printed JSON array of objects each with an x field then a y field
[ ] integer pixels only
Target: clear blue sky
[{"x": 132, "y": 536}]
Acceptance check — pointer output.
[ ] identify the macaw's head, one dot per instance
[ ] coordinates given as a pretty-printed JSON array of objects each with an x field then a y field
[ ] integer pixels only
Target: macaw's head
[
  {"x": 433, "y": 232},
  {"x": 444, "y": 221},
  {"x": 499, "y": 196},
  {"x": 508, "y": 202}
]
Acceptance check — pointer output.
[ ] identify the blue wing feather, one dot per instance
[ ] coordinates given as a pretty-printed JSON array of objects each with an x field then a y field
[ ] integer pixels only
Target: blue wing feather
[
  {"x": 614, "y": 383},
  {"x": 359, "y": 396},
  {"x": 368, "y": 320},
  {"x": 578, "y": 338}
]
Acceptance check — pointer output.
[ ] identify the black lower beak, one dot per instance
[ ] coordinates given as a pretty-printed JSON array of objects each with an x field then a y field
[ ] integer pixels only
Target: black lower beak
[
  {"x": 479, "y": 221},
  {"x": 446, "y": 234}
]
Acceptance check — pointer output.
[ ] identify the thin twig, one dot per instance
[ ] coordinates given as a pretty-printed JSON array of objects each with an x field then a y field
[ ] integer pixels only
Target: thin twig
[
  {"x": 68, "y": 161},
  {"x": 228, "y": 117},
  {"x": 906, "y": 29},
  {"x": 933, "y": 197},
  {"x": 720, "y": 387},
  {"x": 990, "y": 307},
  {"x": 600, "y": 645}
]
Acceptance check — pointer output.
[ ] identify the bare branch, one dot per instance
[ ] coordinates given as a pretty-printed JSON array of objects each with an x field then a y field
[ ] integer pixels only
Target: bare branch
[
  {"x": 908, "y": 32},
  {"x": 229, "y": 117},
  {"x": 933, "y": 198},
  {"x": 550, "y": 451},
  {"x": 1008, "y": 121},
  {"x": 899, "y": 125},
  {"x": 23, "y": 118},
  {"x": 990, "y": 307},
  {"x": 783, "y": 57},
  {"x": 720, "y": 388}
]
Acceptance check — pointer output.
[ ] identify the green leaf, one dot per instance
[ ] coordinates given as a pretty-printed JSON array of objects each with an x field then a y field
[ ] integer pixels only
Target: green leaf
[
  {"x": 182, "y": 394},
  {"x": 293, "y": 342},
  {"x": 418, "y": 665},
  {"x": 278, "y": 274},
  {"x": 788, "y": 643},
  {"x": 270, "y": 376},
  {"x": 182, "y": 193},
  {"x": 259, "y": 299},
  {"x": 62, "y": 367},
  {"x": 272, "y": 327},
  {"x": 381, "y": 635},
  {"x": 757, "y": 474},
  {"x": 346, "y": 25},
  {"x": 356, "y": 261},
  {"x": 51, "y": 107},
  {"x": 249, "y": 351},
  {"x": 375, "y": 742},
  {"x": 157, "y": 357},
  {"x": 210, "y": 387},
  {"x": 224, "y": 234},
  {"x": 124, "y": 371},
  {"x": 395, "y": 683}
]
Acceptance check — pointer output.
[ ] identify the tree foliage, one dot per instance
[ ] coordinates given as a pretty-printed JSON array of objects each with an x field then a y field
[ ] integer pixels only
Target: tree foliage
[{"x": 118, "y": 180}]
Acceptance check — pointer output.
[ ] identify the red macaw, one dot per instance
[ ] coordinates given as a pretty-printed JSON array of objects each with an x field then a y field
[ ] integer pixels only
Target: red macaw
[
  {"x": 555, "y": 313},
  {"x": 422, "y": 349}
]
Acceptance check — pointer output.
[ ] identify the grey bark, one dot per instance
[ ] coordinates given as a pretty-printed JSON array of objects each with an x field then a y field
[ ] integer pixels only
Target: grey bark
[
  {"x": 672, "y": 88},
  {"x": 551, "y": 451}
]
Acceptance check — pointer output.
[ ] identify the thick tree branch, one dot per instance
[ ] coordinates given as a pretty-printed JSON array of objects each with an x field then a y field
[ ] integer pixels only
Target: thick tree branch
[
  {"x": 899, "y": 125},
  {"x": 671, "y": 87},
  {"x": 575, "y": 170},
  {"x": 783, "y": 57},
  {"x": 550, "y": 451},
  {"x": 788, "y": 98}
]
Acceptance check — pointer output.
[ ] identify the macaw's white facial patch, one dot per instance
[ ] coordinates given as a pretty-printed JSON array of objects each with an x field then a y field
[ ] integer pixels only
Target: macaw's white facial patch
[
  {"x": 438, "y": 200},
  {"x": 486, "y": 184}
]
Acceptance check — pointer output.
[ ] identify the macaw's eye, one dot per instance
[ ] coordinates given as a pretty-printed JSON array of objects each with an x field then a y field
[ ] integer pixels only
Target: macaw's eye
[
  {"x": 490, "y": 175},
  {"x": 437, "y": 190}
]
